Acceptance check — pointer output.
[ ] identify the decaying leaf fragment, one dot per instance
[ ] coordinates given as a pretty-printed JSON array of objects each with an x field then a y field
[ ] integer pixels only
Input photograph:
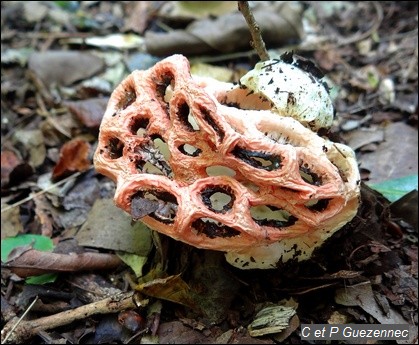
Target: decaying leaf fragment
[
  {"x": 74, "y": 156},
  {"x": 272, "y": 319},
  {"x": 171, "y": 288},
  {"x": 31, "y": 262}
]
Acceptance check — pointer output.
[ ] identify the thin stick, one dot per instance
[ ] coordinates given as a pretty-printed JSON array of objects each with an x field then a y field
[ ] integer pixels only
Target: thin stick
[
  {"x": 35, "y": 195},
  {"x": 19, "y": 321},
  {"x": 29, "y": 328},
  {"x": 257, "y": 42}
]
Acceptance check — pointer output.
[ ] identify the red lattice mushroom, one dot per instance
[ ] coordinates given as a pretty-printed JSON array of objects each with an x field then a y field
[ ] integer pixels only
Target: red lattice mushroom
[{"x": 216, "y": 166}]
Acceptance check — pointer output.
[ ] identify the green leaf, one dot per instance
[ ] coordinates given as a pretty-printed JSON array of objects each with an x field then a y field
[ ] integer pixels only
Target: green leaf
[
  {"x": 42, "y": 279},
  {"x": 38, "y": 242},
  {"x": 68, "y": 5},
  {"x": 394, "y": 189},
  {"x": 136, "y": 262}
]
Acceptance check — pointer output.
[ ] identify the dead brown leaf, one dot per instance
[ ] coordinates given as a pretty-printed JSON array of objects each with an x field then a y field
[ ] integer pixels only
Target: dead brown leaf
[
  {"x": 89, "y": 112},
  {"x": 9, "y": 161},
  {"x": 10, "y": 222},
  {"x": 172, "y": 288},
  {"x": 43, "y": 213},
  {"x": 74, "y": 156},
  {"x": 406, "y": 208},
  {"x": 139, "y": 15},
  {"x": 32, "y": 145},
  {"x": 104, "y": 221},
  {"x": 363, "y": 296},
  {"x": 13, "y": 169},
  {"x": 279, "y": 22},
  {"x": 175, "y": 332},
  {"x": 396, "y": 156},
  {"x": 364, "y": 136},
  {"x": 294, "y": 323},
  {"x": 34, "y": 262},
  {"x": 64, "y": 67}
]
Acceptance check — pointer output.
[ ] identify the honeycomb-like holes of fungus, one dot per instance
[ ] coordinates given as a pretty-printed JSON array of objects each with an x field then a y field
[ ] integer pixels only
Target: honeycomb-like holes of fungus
[
  {"x": 340, "y": 171},
  {"x": 309, "y": 176},
  {"x": 129, "y": 97},
  {"x": 317, "y": 205},
  {"x": 155, "y": 158},
  {"x": 161, "y": 146},
  {"x": 219, "y": 199},
  {"x": 268, "y": 215},
  {"x": 206, "y": 114},
  {"x": 189, "y": 150},
  {"x": 221, "y": 170},
  {"x": 259, "y": 160},
  {"x": 186, "y": 117},
  {"x": 138, "y": 126},
  {"x": 213, "y": 229},
  {"x": 165, "y": 84},
  {"x": 160, "y": 205},
  {"x": 115, "y": 148}
]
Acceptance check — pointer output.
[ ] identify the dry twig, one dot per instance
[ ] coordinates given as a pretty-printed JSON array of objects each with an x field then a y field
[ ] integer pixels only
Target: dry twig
[
  {"x": 15, "y": 332},
  {"x": 35, "y": 195},
  {"x": 257, "y": 42}
]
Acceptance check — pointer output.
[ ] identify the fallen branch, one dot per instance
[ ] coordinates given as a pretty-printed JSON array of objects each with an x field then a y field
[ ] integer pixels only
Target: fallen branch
[{"x": 15, "y": 332}]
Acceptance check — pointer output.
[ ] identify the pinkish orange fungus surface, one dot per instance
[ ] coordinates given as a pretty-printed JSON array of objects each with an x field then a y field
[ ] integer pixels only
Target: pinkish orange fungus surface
[{"x": 212, "y": 165}]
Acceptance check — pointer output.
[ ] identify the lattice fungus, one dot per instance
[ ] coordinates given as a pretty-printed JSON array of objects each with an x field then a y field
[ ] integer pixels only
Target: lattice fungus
[{"x": 234, "y": 168}]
